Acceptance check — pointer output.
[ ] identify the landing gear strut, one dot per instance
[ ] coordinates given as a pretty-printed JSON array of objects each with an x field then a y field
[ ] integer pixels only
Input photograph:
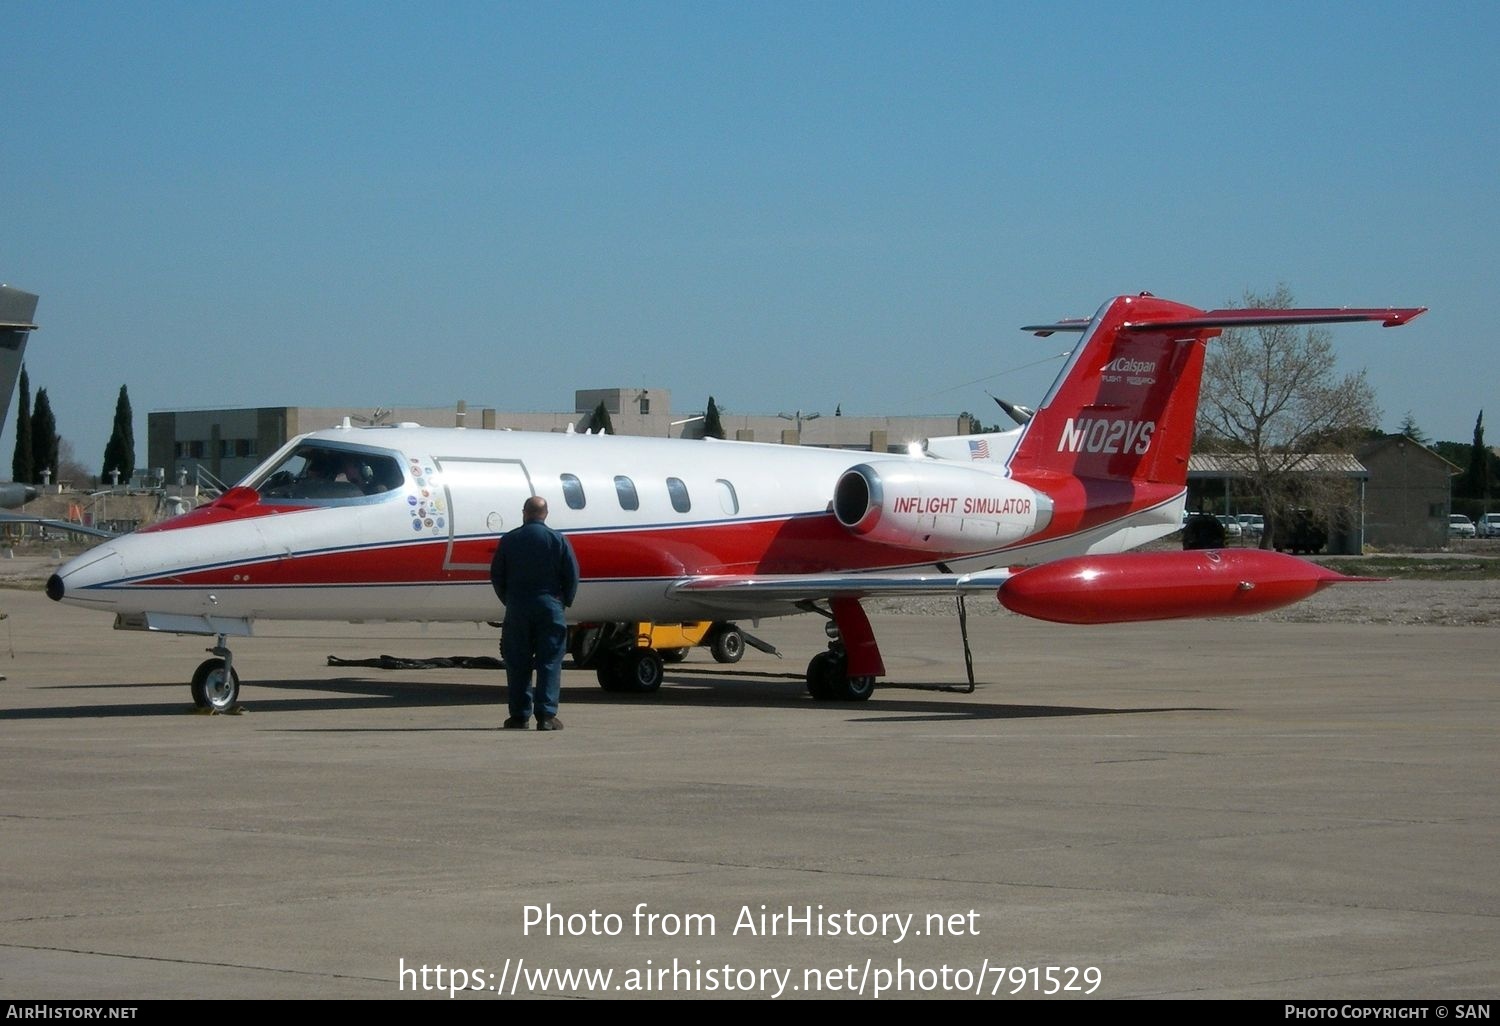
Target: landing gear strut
[
  {"x": 828, "y": 677},
  {"x": 215, "y": 684}
]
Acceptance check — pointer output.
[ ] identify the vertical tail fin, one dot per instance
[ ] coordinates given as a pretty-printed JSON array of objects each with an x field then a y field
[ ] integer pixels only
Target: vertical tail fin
[
  {"x": 1123, "y": 407},
  {"x": 16, "y": 310}
]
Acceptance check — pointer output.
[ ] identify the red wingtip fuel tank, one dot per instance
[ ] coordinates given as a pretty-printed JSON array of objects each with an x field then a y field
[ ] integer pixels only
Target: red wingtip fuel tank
[{"x": 1164, "y": 585}]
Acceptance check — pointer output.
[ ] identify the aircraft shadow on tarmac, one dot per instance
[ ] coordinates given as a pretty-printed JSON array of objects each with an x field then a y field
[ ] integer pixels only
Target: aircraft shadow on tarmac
[{"x": 894, "y": 702}]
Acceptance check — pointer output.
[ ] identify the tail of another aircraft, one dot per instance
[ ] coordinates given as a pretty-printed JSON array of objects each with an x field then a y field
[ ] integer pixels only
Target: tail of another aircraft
[
  {"x": 16, "y": 310},
  {"x": 1123, "y": 408}
]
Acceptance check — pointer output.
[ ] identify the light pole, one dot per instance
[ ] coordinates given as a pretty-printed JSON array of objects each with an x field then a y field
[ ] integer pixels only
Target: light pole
[{"x": 799, "y": 417}]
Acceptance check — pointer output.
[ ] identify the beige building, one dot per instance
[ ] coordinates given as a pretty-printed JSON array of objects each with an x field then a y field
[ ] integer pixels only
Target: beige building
[
  {"x": 1409, "y": 495},
  {"x": 224, "y": 445}
]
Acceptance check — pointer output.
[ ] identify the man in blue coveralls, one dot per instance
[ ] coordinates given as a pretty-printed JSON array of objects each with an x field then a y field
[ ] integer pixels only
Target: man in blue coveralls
[{"x": 536, "y": 575}]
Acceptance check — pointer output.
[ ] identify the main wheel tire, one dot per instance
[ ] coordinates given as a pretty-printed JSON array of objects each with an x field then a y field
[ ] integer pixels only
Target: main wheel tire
[
  {"x": 643, "y": 670},
  {"x": 215, "y": 689},
  {"x": 845, "y": 688},
  {"x": 820, "y": 675},
  {"x": 610, "y": 672},
  {"x": 728, "y": 644}
]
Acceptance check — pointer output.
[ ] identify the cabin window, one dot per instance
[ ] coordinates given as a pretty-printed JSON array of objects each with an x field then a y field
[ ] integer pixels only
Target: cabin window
[
  {"x": 729, "y": 502},
  {"x": 572, "y": 491},
  {"x": 679, "y": 493},
  {"x": 625, "y": 489},
  {"x": 329, "y": 473}
]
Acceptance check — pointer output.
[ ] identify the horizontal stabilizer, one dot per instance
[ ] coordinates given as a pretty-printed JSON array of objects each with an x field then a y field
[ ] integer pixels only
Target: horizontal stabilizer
[
  {"x": 1389, "y": 317},
  {"x": 1066, "y": 324}
]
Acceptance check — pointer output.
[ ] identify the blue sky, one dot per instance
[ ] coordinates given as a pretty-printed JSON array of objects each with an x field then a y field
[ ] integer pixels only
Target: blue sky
[{"x": 784, "y": 205}]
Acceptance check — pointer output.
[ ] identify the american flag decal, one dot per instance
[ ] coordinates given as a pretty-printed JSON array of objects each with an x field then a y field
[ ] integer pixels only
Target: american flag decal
[{"x": 979, "y": 450}]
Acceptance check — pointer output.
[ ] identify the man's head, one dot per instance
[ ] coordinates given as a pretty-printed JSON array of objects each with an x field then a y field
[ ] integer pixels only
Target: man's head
[{"x": 534, "y": 508}]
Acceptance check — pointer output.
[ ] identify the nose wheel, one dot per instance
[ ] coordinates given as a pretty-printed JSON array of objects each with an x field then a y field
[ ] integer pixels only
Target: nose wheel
[{"x": 215, "y": 685}]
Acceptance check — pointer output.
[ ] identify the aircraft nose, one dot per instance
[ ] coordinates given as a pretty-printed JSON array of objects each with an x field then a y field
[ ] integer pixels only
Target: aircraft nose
[{"x": 85, "y": 580}]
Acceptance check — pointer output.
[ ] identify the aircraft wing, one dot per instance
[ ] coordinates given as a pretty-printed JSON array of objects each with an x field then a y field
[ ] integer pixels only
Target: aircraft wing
[
  {"x": 56, "y": 525},
  {"x": 791, "y": 589}
]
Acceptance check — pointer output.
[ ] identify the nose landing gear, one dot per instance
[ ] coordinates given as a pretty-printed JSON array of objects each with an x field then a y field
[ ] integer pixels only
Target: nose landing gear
[{"x": 215, "y": 686}]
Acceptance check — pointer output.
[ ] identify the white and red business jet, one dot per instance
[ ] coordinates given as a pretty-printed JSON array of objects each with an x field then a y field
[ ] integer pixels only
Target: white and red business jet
[{"x": 400, "y": 523}]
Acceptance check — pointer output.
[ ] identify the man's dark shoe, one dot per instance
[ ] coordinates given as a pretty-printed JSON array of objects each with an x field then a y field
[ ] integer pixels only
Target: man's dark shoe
[
  {"x": 548, "y": 723},
  {"x": 516, "y": 723}
]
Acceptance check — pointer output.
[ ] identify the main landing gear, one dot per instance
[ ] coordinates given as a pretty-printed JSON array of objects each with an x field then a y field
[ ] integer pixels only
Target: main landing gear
[
  {"x": 638, "y": 670},
  {"x": 216, "y": 686},
  {"x": 845, "y": 672},
  {"x": 828, "y": 676},
  {"x": 610, "y": 648}
]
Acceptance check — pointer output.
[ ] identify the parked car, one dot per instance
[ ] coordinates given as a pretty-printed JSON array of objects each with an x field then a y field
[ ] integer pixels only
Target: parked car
[
  {"x": 1488, "y": 525},
  {"x": 1202, "y": 531},
  {"x": 1460, "y": 526},
  {"x": 1252, "y": 524},
  {"x": 1231, "y": 526}
]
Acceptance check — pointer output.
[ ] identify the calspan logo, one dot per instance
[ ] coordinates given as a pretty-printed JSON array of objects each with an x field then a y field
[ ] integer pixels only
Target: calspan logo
[
  {"x": 1127, "y": 365},
  {"x": 1088, "y": 434}
]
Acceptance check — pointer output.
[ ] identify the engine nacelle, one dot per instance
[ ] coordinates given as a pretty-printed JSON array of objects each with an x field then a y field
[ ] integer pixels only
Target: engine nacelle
[{"x": 922, "y": 505}]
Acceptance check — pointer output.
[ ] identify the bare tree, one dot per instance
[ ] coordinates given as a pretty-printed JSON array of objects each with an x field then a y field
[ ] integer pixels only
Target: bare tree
[
  {"x": 1273, "y": 402},
  {"x": 69, "y": 469}
]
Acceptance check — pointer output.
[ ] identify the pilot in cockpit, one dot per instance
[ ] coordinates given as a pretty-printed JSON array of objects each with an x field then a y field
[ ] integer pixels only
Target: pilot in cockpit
[{"x": 332, "y": 474}]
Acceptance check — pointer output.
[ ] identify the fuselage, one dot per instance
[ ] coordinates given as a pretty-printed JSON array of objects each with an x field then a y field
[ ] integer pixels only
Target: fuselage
[{"x": 407, "y": 532}]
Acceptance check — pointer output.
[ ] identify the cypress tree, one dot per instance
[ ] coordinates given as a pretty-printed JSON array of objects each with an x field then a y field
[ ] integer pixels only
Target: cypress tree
[
  {"x": 21, "y": 466},
  {"x": 43, "y": 438},
  {"x": 119, "y": 454},
  {"x": 599, "y": 420},
  {"x": 1476, "y": 480},
  {"x": 712, "y": 426}
]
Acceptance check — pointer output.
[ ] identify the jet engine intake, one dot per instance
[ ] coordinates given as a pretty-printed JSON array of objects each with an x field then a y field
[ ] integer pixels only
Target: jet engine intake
[{"x": 937, "y": 508}]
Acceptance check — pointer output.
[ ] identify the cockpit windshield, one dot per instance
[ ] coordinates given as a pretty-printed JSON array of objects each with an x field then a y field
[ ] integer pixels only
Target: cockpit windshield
[{"x": 324, "y": 473}]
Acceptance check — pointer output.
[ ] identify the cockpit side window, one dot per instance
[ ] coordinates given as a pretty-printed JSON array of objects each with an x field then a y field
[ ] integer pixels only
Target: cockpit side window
[{"x": 328, "y": 474}]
